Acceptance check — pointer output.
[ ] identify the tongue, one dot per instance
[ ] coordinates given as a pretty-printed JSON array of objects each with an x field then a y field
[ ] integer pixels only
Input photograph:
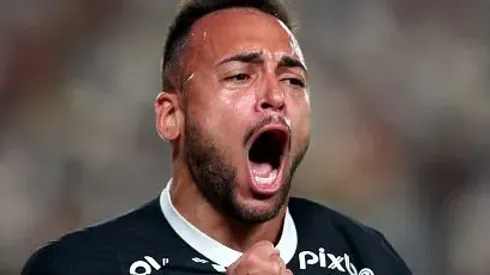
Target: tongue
[{"x": 261, "y": 169}]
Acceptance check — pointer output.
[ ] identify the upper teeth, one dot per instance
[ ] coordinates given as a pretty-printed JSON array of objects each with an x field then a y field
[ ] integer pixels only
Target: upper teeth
[{"x": 267, "y": 180}]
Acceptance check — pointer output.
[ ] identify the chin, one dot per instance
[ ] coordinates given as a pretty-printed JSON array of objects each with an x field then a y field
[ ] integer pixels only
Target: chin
[
  {"x": 259, "y": 208},
  {"x": 252, "y": 213}
]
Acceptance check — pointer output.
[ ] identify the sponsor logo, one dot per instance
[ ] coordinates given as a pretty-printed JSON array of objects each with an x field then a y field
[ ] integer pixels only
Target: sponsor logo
[
  {"x": 147, "y": 266},
  {"x": 330, "y": 261}
]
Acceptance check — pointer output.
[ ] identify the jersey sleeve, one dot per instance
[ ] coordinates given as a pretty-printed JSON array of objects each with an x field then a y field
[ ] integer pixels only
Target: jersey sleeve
[
  {"x": 43, "y": 262},
  {"x": 397, "y": 260}
]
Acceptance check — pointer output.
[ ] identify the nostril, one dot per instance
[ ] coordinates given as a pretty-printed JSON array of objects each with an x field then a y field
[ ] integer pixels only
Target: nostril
[{"x": 265, "y": 105}]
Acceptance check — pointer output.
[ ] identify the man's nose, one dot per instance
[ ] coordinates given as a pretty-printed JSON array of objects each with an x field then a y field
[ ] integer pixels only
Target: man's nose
[{"x": 271, "y": 96}]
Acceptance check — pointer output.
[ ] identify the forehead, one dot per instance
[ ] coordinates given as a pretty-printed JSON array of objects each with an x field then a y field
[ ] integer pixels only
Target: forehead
[{"x": 233, "y": 30}]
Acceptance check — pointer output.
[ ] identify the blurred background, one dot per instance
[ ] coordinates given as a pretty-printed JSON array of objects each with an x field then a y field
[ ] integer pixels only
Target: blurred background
[{"x": 401, "y": 116}]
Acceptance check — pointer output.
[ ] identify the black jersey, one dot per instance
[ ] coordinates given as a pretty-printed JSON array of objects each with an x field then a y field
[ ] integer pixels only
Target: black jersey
[{"x": 155, "y": 239}]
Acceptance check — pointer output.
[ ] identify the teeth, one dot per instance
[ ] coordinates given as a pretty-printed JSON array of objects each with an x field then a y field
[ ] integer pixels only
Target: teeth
[{"x": 267, "y": 180}]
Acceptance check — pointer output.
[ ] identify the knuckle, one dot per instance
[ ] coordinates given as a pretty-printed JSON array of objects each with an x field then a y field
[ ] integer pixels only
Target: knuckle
[
  {"x": 275, "y": 268},
  {"x": 263, "y": 250},
  {"x": 251, "y": 259},
  {"x": 262, "y": 256},
  {"x": 266, "y": 245},
  {"x": 275, "y": 258},
  {"x": 254, "y": 258}
]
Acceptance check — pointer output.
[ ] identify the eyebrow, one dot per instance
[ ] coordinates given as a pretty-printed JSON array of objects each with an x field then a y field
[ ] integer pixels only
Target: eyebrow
[
  {"x": 247, "y": 57},
  {"x": 256, "y": 58},
  {"x": 289, "y": 62}
]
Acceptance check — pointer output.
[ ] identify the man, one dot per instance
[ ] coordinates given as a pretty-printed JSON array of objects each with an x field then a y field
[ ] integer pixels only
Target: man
[{"x": 235, "y": 108}]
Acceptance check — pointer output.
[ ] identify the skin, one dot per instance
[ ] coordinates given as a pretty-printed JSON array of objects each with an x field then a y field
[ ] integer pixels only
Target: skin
[
  {"x": 261, "y": 258},
  {"x": 208, "y": 117}
]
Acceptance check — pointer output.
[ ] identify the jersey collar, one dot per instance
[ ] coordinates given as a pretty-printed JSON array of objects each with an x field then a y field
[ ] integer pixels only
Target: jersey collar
[{"x": 214, "y": 250}]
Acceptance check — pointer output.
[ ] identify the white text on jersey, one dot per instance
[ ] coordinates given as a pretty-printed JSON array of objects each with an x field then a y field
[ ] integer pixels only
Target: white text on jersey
[
  {"x": 339, "y": 263},
  {"x": 145, "y": 267}
]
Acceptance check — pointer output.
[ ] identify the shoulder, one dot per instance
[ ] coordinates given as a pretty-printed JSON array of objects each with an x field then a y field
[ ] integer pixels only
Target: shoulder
[
  {"x": 304, "y": 210},
  {"x": 329, "y": 221},
  {"x": 82, "y": 251},
  {"x": 326, "y": 224},
  {"x": 51, "y": 259}
]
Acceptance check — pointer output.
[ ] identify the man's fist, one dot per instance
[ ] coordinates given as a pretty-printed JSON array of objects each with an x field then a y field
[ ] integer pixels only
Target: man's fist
[{"x": 261, "y": 258}]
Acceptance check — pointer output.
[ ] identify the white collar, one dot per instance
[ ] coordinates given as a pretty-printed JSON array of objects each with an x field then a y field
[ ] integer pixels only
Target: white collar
[{"x": 214, "y": 250}]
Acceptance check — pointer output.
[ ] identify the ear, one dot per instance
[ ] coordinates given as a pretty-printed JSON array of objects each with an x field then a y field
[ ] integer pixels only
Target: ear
[{"x": 168, "y": 116}]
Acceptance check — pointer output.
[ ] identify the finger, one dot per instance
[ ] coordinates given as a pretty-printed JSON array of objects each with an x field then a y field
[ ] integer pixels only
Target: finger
[
  {"x": 277, "y": 264},
  {"x": 264, "y": 245},
  {"x": 264, "y": 250},
  {"x": 287, "y": 272},
  {"x": 275, "y": 257}
]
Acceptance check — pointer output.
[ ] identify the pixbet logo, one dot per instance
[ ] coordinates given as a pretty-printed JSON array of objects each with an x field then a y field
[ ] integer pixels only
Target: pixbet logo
[
  {"x": 340, "y": 263},
  {"x": 147, "y": 266}
]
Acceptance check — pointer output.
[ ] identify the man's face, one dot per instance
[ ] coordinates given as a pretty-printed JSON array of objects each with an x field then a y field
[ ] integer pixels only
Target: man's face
[{"x": 247, "y": 112}]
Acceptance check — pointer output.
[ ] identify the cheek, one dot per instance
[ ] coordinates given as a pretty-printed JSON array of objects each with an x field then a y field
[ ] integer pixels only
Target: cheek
[
  {"x": 233, "y": 110},
  {"x": 226, "y": 118},
  {"x": 237, "y": 102},
  {"x": 301, "y": 119}
]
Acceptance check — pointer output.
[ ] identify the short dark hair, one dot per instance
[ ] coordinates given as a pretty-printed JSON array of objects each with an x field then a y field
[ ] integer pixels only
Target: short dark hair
[{"x": 191, "y": 11}]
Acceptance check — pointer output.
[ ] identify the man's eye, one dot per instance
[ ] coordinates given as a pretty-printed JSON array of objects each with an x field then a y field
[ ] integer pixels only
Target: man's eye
[
  {"x": 295, "y": 82},
  {"x": 238, "y": 78}
]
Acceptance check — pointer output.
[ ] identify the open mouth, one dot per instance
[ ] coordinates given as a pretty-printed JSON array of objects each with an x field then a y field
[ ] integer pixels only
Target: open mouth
[{"x": 266, "y": 157}]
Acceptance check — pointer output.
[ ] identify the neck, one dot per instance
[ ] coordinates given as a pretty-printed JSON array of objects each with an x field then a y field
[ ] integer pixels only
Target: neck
[{"x": 189, "y": 202}]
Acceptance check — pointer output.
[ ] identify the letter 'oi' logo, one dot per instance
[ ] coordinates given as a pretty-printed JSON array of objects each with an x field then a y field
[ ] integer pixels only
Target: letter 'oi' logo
[{"x": 146, "y": 267}]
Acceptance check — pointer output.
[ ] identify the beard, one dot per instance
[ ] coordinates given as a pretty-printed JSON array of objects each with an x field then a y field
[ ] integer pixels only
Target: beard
[{"x": 216, "y": 178}]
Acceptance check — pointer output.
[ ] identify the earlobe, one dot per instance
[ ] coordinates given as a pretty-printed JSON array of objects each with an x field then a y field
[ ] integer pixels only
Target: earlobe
[{"x": 167, "y": 116}]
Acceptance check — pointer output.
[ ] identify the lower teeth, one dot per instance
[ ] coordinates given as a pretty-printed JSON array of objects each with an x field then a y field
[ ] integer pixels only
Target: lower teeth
[{"x": 268, "y": 180}]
